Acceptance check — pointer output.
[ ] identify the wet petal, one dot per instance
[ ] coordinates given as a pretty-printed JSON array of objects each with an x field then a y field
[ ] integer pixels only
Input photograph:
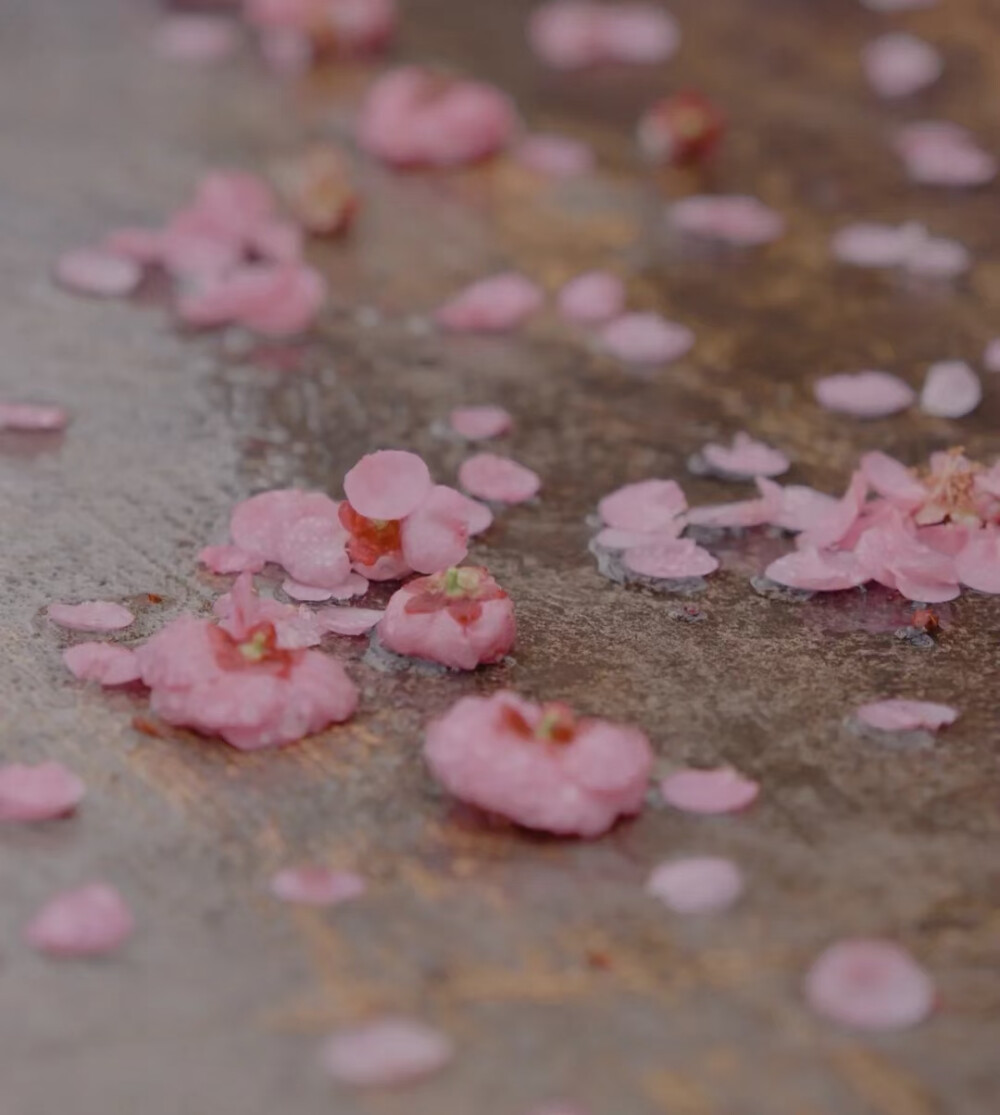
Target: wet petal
[
  {"x": 671, "y": 560},
  {"x": 556, "y": 156},
  {"x": 696, "y": 884},
  {"x": 87, "y": 921},
  {"x": 38, "y": 793},
  {"x": 499, "y": 479},
  {"x": 93, "y": 615},
  {"x": 951, "y": 390},
  {"x": 311, "y": 885},
  {"x": 386, "y": 1052},
  {"x": 722, "y": 790},
  {"x": 389, "y": 484},
  {"x": 818, "y": 570},
  {"x": 644, "y": 506},
  {"x": 869, "y": 394},
  {"x": 102, "y": 662},
  {"x": 745, "y": 458}
]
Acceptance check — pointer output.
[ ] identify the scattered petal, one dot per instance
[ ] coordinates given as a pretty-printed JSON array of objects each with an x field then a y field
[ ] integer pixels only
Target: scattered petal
[
  {"x": 646, "y": 338},
  {"x": 316, "y": 886},
  {"x": 480, "y": 423},
  {"x": 745, "y": 458},
  {"x": 649, "y": 505},
  {"x": 198, "y": 39},
  {"x": 102, "y": 662},
  {"x": 899, "y": 64},
  {"x": 570, "y": 34},
  {"x": 867, "y": 394},
  {"x": 592, "y": 298},
  {"x": 818, "y": 570},
  {"x": 389, "y": 484},
  {"x": 32, "y": 417},
  {"x": 670, "y": 560},
  {"x": 387, "y": 1052},
  {"x": 899, "y": 715},
  {"x": 94, "y": 615},
  {"x": 498, "y": 479},
  {"x": 349, "y": 621},
  {"x": 978, "y": 563},
  {"x": 87, "y": 921},
  {"x": 696, "y": 884},
  {"x": 991, "y": 356},
  {"x": 230, "y": 559},
  {"x": 555, "y": 156},
  {"x": 38, "y": 793},
  {"x": 722, "y": 790},
  {"x": 270, "y": 299},
  {"x": 492, "y": 305},
  {"x": 98, "y": 273},
  {"x": 938, "y": 153},
  {"x": 951, "y": 390},
  {"x": 731, "y": 219}
]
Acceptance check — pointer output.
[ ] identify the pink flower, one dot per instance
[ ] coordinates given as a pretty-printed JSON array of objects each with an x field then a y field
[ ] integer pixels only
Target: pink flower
[
  {"x": 499, "y": 479},
  {"x": 38, "y": 793},
  {"x": 731, "y": 219},
  {"x": 94, "y": 615},
  {"x": 482, "y": 422},
  {"x": 869, "y": 985},
  {"x": 556, "y": 156},
  {"x": 316, "y": 886},
  {"x": 87, "y": 921},
  {"x": 96, "y": 272},
  {"x": 899, "y": 715},
  {"x": 415, "y": 117},
  {"x": 386, "y": 1052},
  {"x": 592, "y": 298},
  {"x": 241, "y": 612},
  {"x": 866, "y": 394},
  {"x": 899, "y": 64},
  {"x": 570, "y": 34},
  {"x": 101, "y": 662},
  {"x": 696, "y": 884},
  {"x": 461, "y": 618},
  {"x": 273, "y": 300},
  {"x": 723, "y": 790},
  {"x": 32, "y": 417},
  {"x": 745, "y": 458},
  {"x": 937, "y": 153},
  {"x": 538, "y": 764},
  {"x": 951, "y": 390},
  {"x": 492, "y": 305},
  {"x": 646, "y": 338},
  {"x": 244, "y": 688}
]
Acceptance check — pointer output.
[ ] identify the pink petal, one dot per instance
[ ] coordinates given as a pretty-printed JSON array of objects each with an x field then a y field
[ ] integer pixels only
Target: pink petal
[
  {"x": 768, "y": 508},
  {"x": 723, "y": 790},
  {"x": 273, "y": 300},
  {"x": 864, "y": 394},
  {"x": 87, "y": 921},
  {"x": 386, "y": 1052},
  {"x": 615, "y": 539},
  {"x": 696, "y": 884},
  {"x": 436, "y": 535},
  {"x": 196, "y": 39},
  {"x": 734, "y": 219},
  {"x": 675, "y": 559},
  {"x": 32, "y": 417},
  {"x": 869, "y": 985},
  {"x": 569, "y": 34},
  {"x": 951, "y": 390},
  {"x": 991, "y": 356},
  {"x": 258, "y": 524},
  {"x": 592, "y": 298},
  {"x": 936, "y": 257},
  {"x": 389, "y": 484},
  {"x": 475, "y": 423},
  {"x": 102, "y": 662},
  {"x": 644, "y": 506},
  {"x": 746, "y": 457},
  {"x": 309, "y": 594},
  {"x": 96, "y": 272},
  {"x": 314, "y": 551},
  {"x": 499, "y": 479},
  {"x": 94, "y": 615},
  {"x": 978, "y": 563},
  {"x": 230, "y": 559},
  {"x": 867, "y": 244},
  {"x": 478, "y": 517},
  {"x": 491, "y": 305},
  {"x": 349, "y": 621},
  {"x": 38, "y": 793},
  {"x": 646, "y": 338},
  {"x": 892, "y": 479},
  {"x": 899, "y": 715},
  {"x": 830, "y": 527},
  {"x": 555, "y": 155},
  {"x": 897, "y": 5},
  {"x": 899, "y": 64},
  {"x": 938, "y": 153},
  {"x": 637, "y": 33},
  {"x": 316, "y": 886},
  {"x": 818, "y": 570}
]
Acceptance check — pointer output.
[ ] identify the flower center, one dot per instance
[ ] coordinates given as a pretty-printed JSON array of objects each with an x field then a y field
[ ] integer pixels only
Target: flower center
[
  {"x": 557, "y": 723},
  {"x": 259, "y": 647},
  {"x": 459, "y": 591},
  {"x": 951, "y": 492},
  {"x": 370, "y": 538}
]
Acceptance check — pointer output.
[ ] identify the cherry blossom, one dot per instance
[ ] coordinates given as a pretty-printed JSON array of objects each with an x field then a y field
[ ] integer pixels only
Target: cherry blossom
[
  {"x": 480, "y": 422},
  {"x": 93, "y": 615},
  {"x": 493, "y": 305},
  {"x": 87, "y": 921},
  {"x": 730, "y": 219},
  {"x": 38, "y": 793},
  {"x": 869, "y": 394},
  {"x": 101, "y": 662},
  {"x": 745, "y": 458},
  {"x": 682, "y": 129},
  {"x": 938, "y": 153},
  {"x": 98, "y": 273},
  {"x": 499, "y": 479},
  {"x": 900, "y": 715},
  {"x": 555, "y": 156},
  {"x": 592, "y": 298},
  {"x": 416, "y": 117},
  {"x": 460, "y": 618},
  {"x": 570, "y": 34},
  {"x": 197, "y": 39},
  {"x": 539, "y": 765},
  {"x": 311, "y": 885},
  {"x": 33, "y": 417},
  {"x": 386, "y": 1052},
  {"x": 722, "y": 790},
  {"x": 951, "y": 390},
  {"x": 646, "y": 338},
  {"x": 696, "y": 884},
  {"x": 869, "y": 984},
  {"x": 908, "y": 247},
  {"x": 899, "y": 64}
]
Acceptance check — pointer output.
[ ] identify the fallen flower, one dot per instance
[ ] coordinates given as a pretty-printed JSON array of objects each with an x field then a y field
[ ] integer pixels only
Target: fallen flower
[
  {"x": 899, "y": 64},
  {"x": 88, "y": 921},
  {"x": 38, "y": 793},
  {"x": 93, "y": 615},
  {"x": 592, "y": 298},
  {"x": 311, "y": 885},
  {"x": 899, "y": 715},
  {"x": 736, "y": 219},
  {"x": 869, "y": 394},
  {"x": 951, "y": 390},
  {"x": 682, "y": 129},
  {"x": 387, "y": 1052},
  {"x": 722, "y": 790},
  {"x": 102, "y": 662},
  {"x": 499, "y": 479},
  {"x": 555, "y": 156},
  {"x": 33, "y": 417},
  {"x": 745, "y": 458},
  {"x": 98, "y": 273},
  {"x": 492, "y": 305},
  {"x": 696, "y": 884},
  {"x": 539, "y": 765},
  {"x": 571, "y": 34},
  {"x": 869, "y": 985},
  {"x": 460, "y": 618},
  {"x": 646, "y": 338},
  {"x": 480, "y": 423}
]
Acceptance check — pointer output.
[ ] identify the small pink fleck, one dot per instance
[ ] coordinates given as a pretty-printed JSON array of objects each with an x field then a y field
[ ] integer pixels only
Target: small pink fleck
[
  {"x": 197, "y": 39},
  {"x": 349, "y": 621},
  {"x": 673, "y": 559},
  {"x": 96, "y": 272},
  {"x": 499, "y": 479},
  {"x": 869, "y": 394},
  {"x": 899, "y": 64},
  {"x": 388, "y": 484},
  {"x": 896, "y": 5},
  {"x": 102, "y": 662},
  {"x": 592, "y": 298},
  {"x": 32, "y": 417},
  {"x": 951, "y": 390},
  {"x": 869, "y": 984},
  {"x": 696, "y": 884},
  {"x": 480, "y": 423},
  {"x": 646, "y": 338},
  {"x": 386, "y": 1052},
  {"x": 87, "y": 921},
  {"x": 722, "y": 790},
  {"x": 729, "y": 218},
  {"x": 312, "y": 885},
  {"x": 555, "y": 156},
  {"x": 745, "y": 458},
  {"x": 38, "y": 793},
  {"x": 648, "y": 505},
  {"x": 900, "y": 715},
  {"x": 492, "y": 305},
  {"x": 94, "y": 615}
]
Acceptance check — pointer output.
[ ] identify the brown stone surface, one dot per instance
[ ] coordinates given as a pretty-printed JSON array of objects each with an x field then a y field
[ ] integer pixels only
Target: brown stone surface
[{"x": 555, "y": 973}]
